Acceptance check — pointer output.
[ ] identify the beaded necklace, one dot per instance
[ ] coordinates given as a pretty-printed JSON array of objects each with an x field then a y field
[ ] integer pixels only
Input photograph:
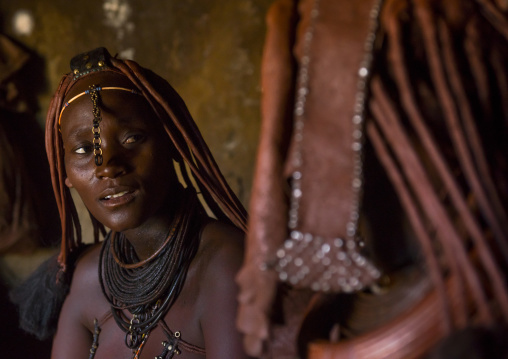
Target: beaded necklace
[
  {"x": 148, "y": 288},
  {"x": 336, "y": 263}
]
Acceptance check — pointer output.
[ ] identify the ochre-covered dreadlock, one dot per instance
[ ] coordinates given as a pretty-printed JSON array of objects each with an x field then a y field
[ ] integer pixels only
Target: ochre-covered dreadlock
[{"x": 446, "y": 128}]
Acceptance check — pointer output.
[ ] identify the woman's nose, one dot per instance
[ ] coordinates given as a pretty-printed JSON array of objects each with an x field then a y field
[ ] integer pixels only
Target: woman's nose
[{"x": 115, "y": 161}]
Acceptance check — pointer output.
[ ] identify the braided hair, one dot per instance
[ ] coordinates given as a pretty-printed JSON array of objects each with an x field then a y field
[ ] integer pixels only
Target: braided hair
[{"x": 439, "y": 129}]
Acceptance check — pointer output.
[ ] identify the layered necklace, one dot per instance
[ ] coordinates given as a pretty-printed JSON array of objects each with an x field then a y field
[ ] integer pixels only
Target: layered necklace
[
  {"x": 147, "y": 289},
  {"x": 311, "y": 261}
]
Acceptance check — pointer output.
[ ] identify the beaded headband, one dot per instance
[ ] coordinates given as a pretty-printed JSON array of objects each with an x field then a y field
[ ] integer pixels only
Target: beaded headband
[
  {"x": 83, "y": 64},
  {"x": 89, "y": 91}
]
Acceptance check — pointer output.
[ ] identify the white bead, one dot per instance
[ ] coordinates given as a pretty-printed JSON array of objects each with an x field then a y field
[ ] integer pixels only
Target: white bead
[
  {"x": 297, "y": 235},
  {"x": 357, "y": 146},
  {"x": 363, "y": 71},
  {"x": 325, "y": 248}
]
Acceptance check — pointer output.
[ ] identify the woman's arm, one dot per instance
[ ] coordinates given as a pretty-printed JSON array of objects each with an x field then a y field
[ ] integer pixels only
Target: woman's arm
[{"x": 73, "y": 337}]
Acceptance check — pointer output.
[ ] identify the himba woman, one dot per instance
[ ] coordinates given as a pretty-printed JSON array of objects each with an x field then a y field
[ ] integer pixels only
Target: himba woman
[{"x": 161, "y": 284}]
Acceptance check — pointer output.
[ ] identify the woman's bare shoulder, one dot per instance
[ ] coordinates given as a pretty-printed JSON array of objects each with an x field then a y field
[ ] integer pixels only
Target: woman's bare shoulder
[
  {"x": 222, "y": 246},
  {"x": 219, "y": 258},
  {"x": 222, "y": 250},
  {"x": 82, "y": 305},
  {"x": 85, "y": 296},
  {"x": 86, "y": 267}
]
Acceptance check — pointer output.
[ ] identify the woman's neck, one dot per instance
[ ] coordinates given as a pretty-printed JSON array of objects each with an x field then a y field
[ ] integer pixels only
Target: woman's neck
[{"x": 148, "y": 237}]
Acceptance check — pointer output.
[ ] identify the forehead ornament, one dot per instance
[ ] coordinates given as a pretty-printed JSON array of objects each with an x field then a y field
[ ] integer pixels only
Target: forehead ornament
[
  {"x": 92, "y": 61},
  {"x": 97, "y": 150}
]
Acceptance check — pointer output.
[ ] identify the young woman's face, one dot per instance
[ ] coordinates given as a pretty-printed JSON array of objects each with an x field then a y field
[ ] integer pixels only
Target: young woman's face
[{"x": 134, "y": 181}]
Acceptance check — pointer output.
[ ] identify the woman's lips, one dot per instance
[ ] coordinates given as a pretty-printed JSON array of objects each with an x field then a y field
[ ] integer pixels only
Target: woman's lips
[
  {"x": 118, "y": 199},
  {"x": 116, "y": 195}
]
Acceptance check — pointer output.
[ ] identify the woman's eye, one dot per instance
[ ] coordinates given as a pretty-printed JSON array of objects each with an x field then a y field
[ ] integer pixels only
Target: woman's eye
[
  {"x": 83, "y": 149},
  {"x": 132, "y": 139}
]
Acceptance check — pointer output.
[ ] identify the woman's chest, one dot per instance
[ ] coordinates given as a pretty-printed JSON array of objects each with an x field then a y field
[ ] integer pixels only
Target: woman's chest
[
  {"x": 155, "y": 344},
  {"x": 179, "y": 332}
]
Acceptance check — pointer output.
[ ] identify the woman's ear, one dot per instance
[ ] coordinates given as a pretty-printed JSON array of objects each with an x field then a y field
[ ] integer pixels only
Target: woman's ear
[{"x": 68, "y": 182}]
